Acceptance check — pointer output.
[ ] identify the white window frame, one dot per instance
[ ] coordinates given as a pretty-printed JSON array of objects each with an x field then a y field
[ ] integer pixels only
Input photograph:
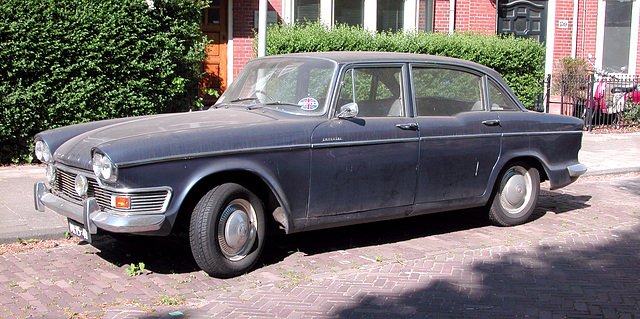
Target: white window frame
[
  {"x": 633, "y": 48},
  {"x": 410, "y": 19}
]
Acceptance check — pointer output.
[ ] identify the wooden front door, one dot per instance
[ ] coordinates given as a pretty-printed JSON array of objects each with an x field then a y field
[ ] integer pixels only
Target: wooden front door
[{"x": 214, "y": 27}]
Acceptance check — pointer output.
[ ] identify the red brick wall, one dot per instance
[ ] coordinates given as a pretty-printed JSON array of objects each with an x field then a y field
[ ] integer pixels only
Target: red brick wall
[
  {"x": 586, "y": 28},
  {"x": 476, "y": 15},
  {"x": 441, "y": 16},
  {"x": 471, "y": 15},
  {"x": 562, "y": 47},
  {"x": 243, "y": 32}
]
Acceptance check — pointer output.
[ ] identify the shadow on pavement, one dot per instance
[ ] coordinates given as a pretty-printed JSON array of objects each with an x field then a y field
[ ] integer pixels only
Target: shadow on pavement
[
  {"x": 541, "y": 282},
  {"x": 163, "y": 255},
  {"x": 167, "y": 255}
]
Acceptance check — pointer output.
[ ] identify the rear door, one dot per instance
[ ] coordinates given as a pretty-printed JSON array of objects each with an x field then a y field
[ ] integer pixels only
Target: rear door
[{"x": 459, "y": 138}]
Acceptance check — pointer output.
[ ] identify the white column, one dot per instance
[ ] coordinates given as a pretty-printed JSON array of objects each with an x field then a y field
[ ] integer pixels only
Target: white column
[
  {"x": 262, "y": 28},
  {"x": 452, "y": 16},
  {"x": 410, "y": 15},
  {"x": 635, "y": 28},
  {"x": 551, "y": 37},
  {"x": 326, "y": 12},
  {"x": 602, "y": 9},
  {"x": 370, "y": 15}
]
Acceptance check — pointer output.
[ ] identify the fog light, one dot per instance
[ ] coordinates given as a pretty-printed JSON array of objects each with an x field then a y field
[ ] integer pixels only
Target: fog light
[{"x": 81, "y": 185}]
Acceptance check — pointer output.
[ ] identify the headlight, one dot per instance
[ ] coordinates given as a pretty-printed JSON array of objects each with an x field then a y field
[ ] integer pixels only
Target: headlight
[
  {"x": 43, "y": 154},
  {"x": 103, "y": 167}
]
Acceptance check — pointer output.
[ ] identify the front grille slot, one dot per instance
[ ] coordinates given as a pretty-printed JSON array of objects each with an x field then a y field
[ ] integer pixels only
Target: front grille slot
[{"x": 142, "y": 201}]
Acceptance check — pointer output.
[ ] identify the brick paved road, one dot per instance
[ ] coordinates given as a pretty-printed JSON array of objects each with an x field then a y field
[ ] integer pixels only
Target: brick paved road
[{"x": 578, "y": 258}]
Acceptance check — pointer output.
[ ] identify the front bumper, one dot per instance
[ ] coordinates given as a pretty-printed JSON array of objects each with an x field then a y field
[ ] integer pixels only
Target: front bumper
[
  {"x": 93, "y": 217},
  {"x": 576, "y": 170}
]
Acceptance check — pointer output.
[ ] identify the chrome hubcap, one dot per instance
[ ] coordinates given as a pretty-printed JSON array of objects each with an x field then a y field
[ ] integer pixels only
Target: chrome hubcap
[
  {"x": 516, "y": 191},
  {"x": 236, "y": 229}
]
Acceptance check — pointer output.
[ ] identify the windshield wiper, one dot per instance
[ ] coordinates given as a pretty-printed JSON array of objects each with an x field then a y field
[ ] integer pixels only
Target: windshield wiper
[
  {"x": 244, "y": 99},
  {"x": 256, "y": 105}
]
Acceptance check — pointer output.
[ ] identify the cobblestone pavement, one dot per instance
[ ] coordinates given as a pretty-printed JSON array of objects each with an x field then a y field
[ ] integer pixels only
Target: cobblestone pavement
[{"x": 579, "y": 257}]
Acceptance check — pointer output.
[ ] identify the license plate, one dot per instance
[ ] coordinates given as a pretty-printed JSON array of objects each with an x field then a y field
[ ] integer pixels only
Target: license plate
[{"x": 78, "y": 230}]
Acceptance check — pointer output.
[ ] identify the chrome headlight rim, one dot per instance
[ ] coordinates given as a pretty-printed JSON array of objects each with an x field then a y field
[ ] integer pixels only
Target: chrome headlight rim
[
  {"x": 42, "y": 152},
  {"x": 103, "y": 167}
]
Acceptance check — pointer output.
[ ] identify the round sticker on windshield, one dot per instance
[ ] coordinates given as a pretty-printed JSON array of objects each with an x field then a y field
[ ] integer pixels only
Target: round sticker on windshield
[{"x": 308, "y": 104}]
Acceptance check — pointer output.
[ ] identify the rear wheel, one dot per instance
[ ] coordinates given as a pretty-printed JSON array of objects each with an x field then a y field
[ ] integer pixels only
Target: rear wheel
[
  {"x": 227, "y": 231},
  {"x": 516, "y": 195}
]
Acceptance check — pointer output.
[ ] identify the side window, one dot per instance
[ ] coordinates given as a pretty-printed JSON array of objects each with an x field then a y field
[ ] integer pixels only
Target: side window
[
  {"x": 499, "y": 101},
  {"x": 378, "y": 91},
  {"x": 446, "y": 92}
]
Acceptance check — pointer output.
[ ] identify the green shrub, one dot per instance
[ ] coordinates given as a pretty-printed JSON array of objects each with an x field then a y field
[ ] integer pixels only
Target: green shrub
[
  {"x": 519, "y": 61},
  {"x": 65, "y": 62}
]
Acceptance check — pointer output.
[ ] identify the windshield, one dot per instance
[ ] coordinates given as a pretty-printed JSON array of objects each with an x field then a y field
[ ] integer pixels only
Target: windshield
[{"x": 294, "y": 85}]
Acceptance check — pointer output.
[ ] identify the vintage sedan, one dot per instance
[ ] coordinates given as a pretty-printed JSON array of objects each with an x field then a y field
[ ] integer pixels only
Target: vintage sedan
[{"x": 310, "y": 141}]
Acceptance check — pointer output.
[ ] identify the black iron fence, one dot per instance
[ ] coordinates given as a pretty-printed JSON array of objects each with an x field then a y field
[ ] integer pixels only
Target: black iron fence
[{"x": 601, "y": 100}]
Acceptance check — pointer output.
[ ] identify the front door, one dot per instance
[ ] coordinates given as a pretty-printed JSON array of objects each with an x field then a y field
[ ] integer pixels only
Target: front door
[
  {"x": 527, "y": 19},
  {"x": 214, "y": 27},
  {"x": 367, "y": 162}
]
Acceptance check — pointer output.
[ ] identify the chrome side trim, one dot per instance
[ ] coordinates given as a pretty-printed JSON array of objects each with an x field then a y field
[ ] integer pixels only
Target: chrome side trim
[
  {"x": 576, "y": 170},
  {"x": 464, "y": 136},
  {"x": 369, "y": 142},
  {"x": 541, "y": 133}
]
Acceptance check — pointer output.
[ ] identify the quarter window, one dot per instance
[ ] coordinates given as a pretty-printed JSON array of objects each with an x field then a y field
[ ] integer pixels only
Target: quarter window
[
  {"x": 446, "y": 92},
  {"x": 499, "y": 100}
]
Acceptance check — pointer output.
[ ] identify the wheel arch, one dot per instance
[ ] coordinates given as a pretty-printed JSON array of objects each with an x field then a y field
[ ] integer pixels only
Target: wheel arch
[
  {"x": 258, "y": 182},
  {"x": 505, "y": 163}
]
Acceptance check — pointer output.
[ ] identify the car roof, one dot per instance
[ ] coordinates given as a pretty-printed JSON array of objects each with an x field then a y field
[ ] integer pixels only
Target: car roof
[{"x": 345, "y": 57}]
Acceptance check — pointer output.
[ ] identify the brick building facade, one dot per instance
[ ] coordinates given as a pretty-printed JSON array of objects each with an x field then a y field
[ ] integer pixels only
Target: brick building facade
[{"x": 606, "y": 30}]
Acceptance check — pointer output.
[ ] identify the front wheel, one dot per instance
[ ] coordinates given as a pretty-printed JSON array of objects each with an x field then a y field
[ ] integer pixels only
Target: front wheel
[
  {"x": 516, "y": 195},
  {"x": 227, "y": 231}
]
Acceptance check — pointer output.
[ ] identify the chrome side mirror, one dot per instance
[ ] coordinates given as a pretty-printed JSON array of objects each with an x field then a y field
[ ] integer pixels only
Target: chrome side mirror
[{"x": 349, "y": 110}]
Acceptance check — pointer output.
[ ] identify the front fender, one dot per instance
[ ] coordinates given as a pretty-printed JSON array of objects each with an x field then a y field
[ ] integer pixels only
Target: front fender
[{"x": 284, "y": 173}]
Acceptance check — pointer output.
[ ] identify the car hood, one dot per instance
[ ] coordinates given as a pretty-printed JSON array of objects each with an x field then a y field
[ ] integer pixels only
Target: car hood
[{"x": 167, "y": 136}]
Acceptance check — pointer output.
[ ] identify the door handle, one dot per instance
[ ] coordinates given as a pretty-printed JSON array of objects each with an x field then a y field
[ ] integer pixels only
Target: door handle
[
  {"x": 409, "y": 126},
  {"x": 491, "y": 122}
]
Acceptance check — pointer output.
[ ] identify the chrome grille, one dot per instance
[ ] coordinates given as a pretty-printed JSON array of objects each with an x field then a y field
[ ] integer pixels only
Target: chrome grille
[{"x": 141, "y": 201}]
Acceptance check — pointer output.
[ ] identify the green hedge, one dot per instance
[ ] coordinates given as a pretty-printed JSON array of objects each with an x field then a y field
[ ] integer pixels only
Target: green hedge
[
  {"x": 64, "y": 62},
  {"x": 519, "y": 61}
]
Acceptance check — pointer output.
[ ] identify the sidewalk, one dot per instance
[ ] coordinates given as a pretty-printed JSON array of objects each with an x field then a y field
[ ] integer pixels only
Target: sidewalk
[{"x": 601, "y": 153}]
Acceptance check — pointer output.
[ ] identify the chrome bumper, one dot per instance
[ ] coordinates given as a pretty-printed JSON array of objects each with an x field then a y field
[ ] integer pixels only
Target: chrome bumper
[
  {"x": 92, "y": 217},
  {"x": 576, "y": 170}
]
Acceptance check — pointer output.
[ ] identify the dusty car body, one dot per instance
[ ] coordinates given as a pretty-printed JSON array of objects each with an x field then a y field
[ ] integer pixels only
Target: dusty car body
[{"x": 311, "y": 141}]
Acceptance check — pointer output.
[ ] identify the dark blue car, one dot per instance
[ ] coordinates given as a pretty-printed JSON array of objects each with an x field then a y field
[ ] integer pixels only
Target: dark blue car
[{"x": 310, "y": 141}]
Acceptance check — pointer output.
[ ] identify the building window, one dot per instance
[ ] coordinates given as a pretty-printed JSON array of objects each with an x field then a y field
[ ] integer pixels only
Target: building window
[
  {"x": 349, "y": 12},
  {"x": 427, "y": 14},
  {"x": 306, "y": 10},
  {"x": 617, "y": 36},
  {"x": 390, "y": 15}
]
